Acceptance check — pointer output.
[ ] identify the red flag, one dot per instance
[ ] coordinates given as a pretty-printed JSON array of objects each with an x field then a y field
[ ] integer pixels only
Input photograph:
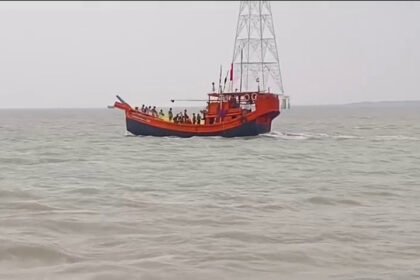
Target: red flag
[{"x": 231, "y": 71}]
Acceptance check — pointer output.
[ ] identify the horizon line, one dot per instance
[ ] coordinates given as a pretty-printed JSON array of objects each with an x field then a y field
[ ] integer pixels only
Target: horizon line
[{"x": 293, "y": 105}]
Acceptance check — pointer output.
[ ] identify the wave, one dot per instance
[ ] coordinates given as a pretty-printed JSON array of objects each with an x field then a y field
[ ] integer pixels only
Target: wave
[
  {"x": 331, "y": 201},
  {"x": 366, "y": 127},
  {"x": 287, "y": 135},
  {"x": 344, "y": 137},
  {"x": 395, "y": 138},
  {"x": 321, "y": 136},
  {"x": 35, "y": 254},
  {"x": 308, "y": 136},
  {"x": 17, "y": 194},
  {"x": 27, "y": 205},
  {"x": 321, "y": 200},
  {"x": 246, "y": 237}
]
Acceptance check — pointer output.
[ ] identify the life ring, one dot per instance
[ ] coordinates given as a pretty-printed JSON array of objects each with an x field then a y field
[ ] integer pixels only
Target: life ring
[
  {"x": 246, "y": 97},
  {"x": 254, "y": 96}
]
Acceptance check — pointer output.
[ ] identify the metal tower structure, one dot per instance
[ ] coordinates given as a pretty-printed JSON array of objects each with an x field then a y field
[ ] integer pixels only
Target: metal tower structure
[{"x": 255, "y": 58}]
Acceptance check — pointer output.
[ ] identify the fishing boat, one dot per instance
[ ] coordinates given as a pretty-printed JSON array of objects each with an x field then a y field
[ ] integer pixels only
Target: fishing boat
[
  {"x": 238, "y": 109},
  {"x": 228, "y": 114}
]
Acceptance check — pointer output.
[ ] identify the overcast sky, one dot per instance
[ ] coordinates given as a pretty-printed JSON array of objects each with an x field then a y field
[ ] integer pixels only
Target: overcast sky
[{"x": 75, "y": 54}]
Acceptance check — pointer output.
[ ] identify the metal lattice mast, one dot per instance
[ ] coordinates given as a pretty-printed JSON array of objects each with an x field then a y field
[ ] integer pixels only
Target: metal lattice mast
[{"x": 256, "y": 39}]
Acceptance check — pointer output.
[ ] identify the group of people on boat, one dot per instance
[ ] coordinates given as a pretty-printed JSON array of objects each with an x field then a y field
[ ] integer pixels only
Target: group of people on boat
[
  {"x": 184, "y": 118},
  {"x": 149, "y": 110},
  {"x": 178, "y": 118}
]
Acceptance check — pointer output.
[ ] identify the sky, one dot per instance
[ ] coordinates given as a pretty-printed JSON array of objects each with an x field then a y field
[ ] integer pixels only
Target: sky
[{"x": 81, "y": 54}]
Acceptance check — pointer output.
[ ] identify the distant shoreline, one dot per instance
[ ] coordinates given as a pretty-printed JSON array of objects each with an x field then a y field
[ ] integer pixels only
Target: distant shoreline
[{"x": 406, "y": 103}]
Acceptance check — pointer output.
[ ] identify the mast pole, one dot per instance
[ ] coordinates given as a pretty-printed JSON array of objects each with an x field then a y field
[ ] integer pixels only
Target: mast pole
[
  {"x": 261, "y": 40},
  {"x": 220, "y": 80},
  {"x": 220, "y": 92},
  {"x": 240, "y": 85},
  {"x": 248, "y": 43}
]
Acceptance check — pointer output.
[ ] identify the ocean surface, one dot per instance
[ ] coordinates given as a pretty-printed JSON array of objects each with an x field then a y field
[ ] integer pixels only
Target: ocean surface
[{"x": 333, "y": 192}]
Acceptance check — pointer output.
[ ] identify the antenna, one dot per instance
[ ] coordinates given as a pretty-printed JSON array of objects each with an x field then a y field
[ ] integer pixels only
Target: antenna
[{"x": 220, "y": 80}]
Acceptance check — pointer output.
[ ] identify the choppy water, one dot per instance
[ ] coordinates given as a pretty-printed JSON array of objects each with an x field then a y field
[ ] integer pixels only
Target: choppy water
[{"x": 331, "y": 193}]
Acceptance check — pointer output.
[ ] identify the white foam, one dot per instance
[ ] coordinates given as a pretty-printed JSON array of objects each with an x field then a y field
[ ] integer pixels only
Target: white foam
[
  {"x": 341, "y": 137},
  {"x": 307, "y": 136},
  {"x": 396, "y": 137}
]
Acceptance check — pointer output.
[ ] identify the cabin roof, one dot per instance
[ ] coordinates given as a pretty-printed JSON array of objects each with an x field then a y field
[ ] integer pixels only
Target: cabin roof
[{"x": 216, "y": 94}]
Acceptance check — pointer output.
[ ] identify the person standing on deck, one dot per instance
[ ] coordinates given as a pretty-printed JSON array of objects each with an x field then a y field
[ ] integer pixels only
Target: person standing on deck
[
  {"x": 170, "y": 114},
  {"x": 161, "y": 114},
  {"x": 178, "y": 118},
  {"x": 193, "y": 118},
  {"x": 186, "y": 117},
  {"x": 198, "y": 118},
  {"x": 154, "y": 112},
  {"x": 204, "y": 115}
]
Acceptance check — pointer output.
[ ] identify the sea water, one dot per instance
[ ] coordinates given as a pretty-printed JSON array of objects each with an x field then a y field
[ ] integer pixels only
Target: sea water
[{"x": 333, "y": 192}]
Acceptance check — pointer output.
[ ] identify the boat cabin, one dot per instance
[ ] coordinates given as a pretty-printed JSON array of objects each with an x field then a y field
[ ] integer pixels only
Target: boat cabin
[{"x": 222, "y": 107}]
